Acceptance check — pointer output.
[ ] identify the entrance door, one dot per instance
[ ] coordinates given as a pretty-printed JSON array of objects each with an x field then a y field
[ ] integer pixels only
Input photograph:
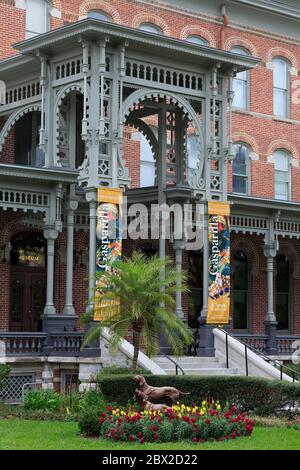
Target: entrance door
[{"x": 28, "y": 297}]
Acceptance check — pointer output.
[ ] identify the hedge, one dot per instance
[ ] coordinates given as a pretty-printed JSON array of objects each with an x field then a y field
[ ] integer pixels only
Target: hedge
[{"x": 250, "y": 394}]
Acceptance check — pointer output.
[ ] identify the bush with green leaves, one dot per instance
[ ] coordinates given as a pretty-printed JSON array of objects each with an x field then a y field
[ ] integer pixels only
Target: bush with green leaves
[
  {"x": 4, "y": 374},
  {"x": 251, "y": 394},
  {"x": 42, "y": 400},
  {"x": 115, "y": 370}
]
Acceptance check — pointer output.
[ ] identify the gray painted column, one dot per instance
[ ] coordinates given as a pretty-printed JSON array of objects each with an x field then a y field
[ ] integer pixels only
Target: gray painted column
[
  {"x": 179, "y": 246},
  {"x": 91, "y": 197},
  {"x": 69, "y": 307},
  {"x": 270, "y": 323},
  {"x": 205, "y": 337},
  {"x": 50, "y": 235}
]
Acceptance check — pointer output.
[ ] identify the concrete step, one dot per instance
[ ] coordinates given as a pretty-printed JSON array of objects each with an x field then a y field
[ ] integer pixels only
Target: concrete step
[
  {"x": 201, "y": 365},
  {"x": 210, "y": 372},
  {"x": 180, "y": 359}
]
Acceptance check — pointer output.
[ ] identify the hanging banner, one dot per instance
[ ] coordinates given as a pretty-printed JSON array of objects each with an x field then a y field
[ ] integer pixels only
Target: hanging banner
[
  {"x": 109, "y": 245},
  {"x": 218, "y": 263}
]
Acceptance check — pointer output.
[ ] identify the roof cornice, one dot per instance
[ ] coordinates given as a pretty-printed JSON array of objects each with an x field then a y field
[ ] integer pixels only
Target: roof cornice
[
  {"x": 274, "y": 7},
  {"x": 93, "y": 30}
]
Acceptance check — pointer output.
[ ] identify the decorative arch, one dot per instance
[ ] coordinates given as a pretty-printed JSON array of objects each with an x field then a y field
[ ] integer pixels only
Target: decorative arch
[
  {"x": 14, "y": 227},
  {"x": 62, "y": 94},
  {"x": 150, "y": 18},
  {"x": 249, "y": 140},
  {"x": 282, "y": 144},
  {"x": 284, "y": 53},
  {"x": 249, "y": 247},
  {"x": 13, "y": 118},
  {"x": 198, "y": 31},
  {"x": 138, "y": 96},
  {"x": 99, "y": 5},
  {"x": 236, "y": 41},
  {"x": 147, "y": 132}
]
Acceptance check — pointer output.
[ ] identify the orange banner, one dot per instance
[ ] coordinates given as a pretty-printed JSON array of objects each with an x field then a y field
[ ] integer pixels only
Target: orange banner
[{"x": 218, "y": 263}]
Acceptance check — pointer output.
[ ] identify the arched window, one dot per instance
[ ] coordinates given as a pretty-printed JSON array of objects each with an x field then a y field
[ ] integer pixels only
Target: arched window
[
  {"x": 240, "y": 168},
  {"x": 283, "y": 304},
  {"x": 99, "y": 15},
  {"x": 151, "y": 28},
  {"x": 241, "y": 84},
  {"x": 37, "y": 17},
  {"x": 280, "y": 87},
  {"x": 240, "y": 290},
  {"x": 192, "y": 156},
  {"x": 195, "y": 39},
  {"x": 282, "y": 174}
]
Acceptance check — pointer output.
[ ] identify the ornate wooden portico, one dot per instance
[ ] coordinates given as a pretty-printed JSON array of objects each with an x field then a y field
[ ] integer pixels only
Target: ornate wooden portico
[{"x": 108, "y": 77}]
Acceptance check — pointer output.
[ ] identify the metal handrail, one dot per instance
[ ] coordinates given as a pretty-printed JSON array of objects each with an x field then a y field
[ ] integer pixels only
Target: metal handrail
[
  {"x": 259, "y": 353},
  {"x": 177, "y": 366}
]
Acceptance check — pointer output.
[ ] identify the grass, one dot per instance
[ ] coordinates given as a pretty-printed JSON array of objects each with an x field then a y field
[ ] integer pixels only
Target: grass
[{"x": 51, "y": 435}]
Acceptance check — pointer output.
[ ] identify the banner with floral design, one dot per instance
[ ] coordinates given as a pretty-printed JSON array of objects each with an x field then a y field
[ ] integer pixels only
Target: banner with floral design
[{"x": 218, "y": 263}]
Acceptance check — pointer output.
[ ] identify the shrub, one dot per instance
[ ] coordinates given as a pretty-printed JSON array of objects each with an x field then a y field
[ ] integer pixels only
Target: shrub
[
  {"x": 250, "y": 394},
  {"x": 41, "y": 400},
  {"x": 4, "y": 373},
  {"x": 88, "y": 422},
  {"x": 114, "y": 370},
  {"x": 178, "y": 423}
]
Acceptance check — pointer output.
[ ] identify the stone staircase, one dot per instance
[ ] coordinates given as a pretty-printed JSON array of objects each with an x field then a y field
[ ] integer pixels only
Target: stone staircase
[{"x": 192, "y": 365}]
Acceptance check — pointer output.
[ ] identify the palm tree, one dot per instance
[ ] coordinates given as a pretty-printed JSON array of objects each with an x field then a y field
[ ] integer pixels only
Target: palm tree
[{"x": 136, "y": 298}]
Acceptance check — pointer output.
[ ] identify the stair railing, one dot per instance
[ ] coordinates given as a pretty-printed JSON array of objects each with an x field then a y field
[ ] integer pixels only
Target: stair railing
[
  {"x": 291, "y": 372},
  {"x": 177, "y": 366}
]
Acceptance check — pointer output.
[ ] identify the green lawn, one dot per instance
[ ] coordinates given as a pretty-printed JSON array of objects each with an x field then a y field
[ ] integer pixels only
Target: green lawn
[{"x": 51, "y": 435}]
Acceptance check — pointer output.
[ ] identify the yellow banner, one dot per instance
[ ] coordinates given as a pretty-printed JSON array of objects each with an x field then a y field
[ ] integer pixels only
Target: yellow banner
[
  {"x": 109, "y": 248},
  {"x": 218, "y": 263}
]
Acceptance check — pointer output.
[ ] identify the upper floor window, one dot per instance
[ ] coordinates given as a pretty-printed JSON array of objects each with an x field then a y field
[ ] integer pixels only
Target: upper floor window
[
  {"x": 282, "y": 177},
  {"x": 241, "y": 84},
  {"x": 99, "y": 15},
  {"x": 195, "y": 39},
  {"x": 280, "y": 87},
  {"x": 37, "y": 17},
  {"x": 151, "y": 28},
  {"x": 240, "y": 168}
]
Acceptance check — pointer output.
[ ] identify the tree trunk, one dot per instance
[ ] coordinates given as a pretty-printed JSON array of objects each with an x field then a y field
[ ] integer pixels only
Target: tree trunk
[{"x": 136, "y": 346}]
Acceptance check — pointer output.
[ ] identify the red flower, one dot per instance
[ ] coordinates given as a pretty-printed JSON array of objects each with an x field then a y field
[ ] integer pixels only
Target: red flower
[
  {"x": 102, "y": 420},
  {"x": 233, "y": 435},
  {"x": 112, "y": 431},
  {"x": 195, "y": 439},
  {"x": 139, "y": 434},
  {"x": 207, "y": 421},
  {"x": 155, "y": 437},
  {"x": 108, "y": 408},
  {"x": 193, "y": 420},
  {"x": 142, "y": 440},
  {"x": 226, "y": 437},
  {"x": 116, "y": 437},
  {"x": 153, "y": 427},
  {"x": 120, "y": 420},
  {"x": 103, "y": 415},
  {"x": 131, "y": 437}
]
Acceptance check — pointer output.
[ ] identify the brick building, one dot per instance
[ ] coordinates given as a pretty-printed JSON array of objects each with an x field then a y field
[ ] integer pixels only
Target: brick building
[{"x": 47, "y": 139}]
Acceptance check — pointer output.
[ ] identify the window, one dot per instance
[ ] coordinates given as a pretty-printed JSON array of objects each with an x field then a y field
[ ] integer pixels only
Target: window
[
  {"x": 240, "y": 291},
  {"x": 282, "y": 178},
  {"x": 192, "y": 156},
  {"x": 283, "y": 292},
  {"x": 37, "y": 17},
  {"x": 147, "y": 167},
  {"x": 240, "y": 170},
  {"x": 99, "y": 15},
  {"x": 151, "y": 28},
  {"x": 240, "y": 84},
  {"x": 27, "y": 151},
  {"x": 197, "y": 40},
  {"x": 280, "y": 87}
]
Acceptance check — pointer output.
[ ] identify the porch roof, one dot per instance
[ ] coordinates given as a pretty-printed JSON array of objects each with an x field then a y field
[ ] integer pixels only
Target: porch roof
[
  {"x": 66, "y": 37},
  {"x": 51, "y": 175}
]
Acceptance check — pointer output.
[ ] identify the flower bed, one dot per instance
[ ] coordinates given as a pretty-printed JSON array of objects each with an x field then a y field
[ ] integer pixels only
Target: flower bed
[{"x": 177, "y": 423}]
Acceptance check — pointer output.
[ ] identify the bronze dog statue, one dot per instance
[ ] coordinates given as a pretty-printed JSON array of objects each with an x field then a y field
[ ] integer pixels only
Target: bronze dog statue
[
  {"x": 141, "y": 398},
  {"x": 157, "y": 394}
]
